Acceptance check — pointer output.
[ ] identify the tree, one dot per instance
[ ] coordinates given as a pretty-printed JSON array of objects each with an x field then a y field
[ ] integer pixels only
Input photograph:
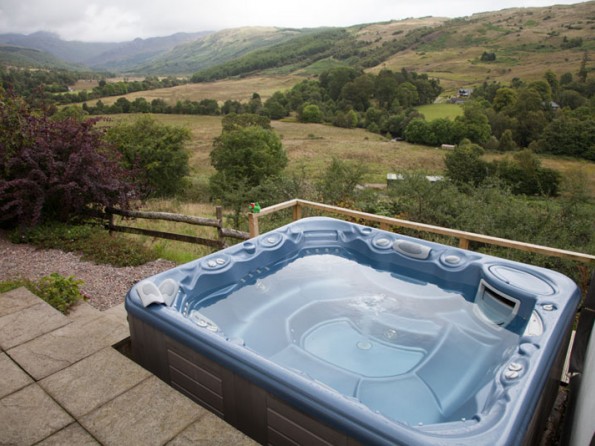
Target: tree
[
  {"x": 570, "y": 134},
  {"x": 275, "y": 106},
  {"x": 54, "y": 169},
  {"x": 334, "y": 80},
  {"x": 507, "y": 143},
  {"x": 505, "y": 97},
  {"x": 407, "y": 94},
  {"x": 311, "y": 113},
  {"x": 244, "y": 158},
  {"x": 338, "y": 181},
  {"x": 552, "y": 80},
  {"x": 419, "y": 131},
  {"x": 251, "y": 153},
  {"x": 474, "y": 123},
  {"x": 572, "y": 99},
  {"x": 464, "y": 164},
  {"x": 526, "y": 176},
  {"x": 156, "y": 152}
]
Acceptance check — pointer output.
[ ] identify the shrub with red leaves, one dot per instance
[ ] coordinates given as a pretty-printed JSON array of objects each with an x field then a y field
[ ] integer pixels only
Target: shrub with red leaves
[{"x": 54, "y": 169}]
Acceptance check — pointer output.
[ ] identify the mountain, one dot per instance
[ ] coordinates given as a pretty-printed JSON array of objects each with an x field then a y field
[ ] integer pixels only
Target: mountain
[
  {"x": 492, "y": 46},
  {"x": 15, "y": 56},
  {"x": 129, "y": 55},
  {"x": 217, "y": 48},
  {"x": 68, "y": 51},
  {"x": 499, "y": 45},
  {"x": 99, "y": 55}
]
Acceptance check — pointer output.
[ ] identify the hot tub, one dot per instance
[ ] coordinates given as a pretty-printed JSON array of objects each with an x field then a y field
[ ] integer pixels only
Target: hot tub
[{"x": 328, "y": 332}]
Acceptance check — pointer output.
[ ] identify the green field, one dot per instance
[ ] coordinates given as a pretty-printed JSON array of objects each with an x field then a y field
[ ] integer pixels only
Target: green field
[
  {"x": 440, "y": 111},
  {"x": 312, "y": 147}
]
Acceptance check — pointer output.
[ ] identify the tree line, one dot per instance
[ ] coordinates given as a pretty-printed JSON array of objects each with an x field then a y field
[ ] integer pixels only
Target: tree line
[{"x": 51, "y": 87}]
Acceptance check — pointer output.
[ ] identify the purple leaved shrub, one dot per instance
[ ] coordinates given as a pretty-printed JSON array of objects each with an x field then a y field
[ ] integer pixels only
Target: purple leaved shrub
[{"x": 55, "y": 169}]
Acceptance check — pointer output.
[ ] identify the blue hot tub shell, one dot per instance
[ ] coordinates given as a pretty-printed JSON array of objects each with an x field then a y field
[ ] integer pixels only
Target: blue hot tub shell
[{"x": 328, "y": 331}]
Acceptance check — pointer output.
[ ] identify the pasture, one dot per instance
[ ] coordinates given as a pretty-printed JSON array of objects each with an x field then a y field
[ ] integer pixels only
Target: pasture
[
  {"x": 232, "y": 89},
  {"x": 309, "y": 147},
  {"x": 312, "y": 146},
  {"x": 440, "y": 111}
]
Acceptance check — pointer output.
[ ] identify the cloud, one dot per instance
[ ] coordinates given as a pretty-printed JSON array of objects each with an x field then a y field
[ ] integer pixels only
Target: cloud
[{"x": 117, "y": 20}]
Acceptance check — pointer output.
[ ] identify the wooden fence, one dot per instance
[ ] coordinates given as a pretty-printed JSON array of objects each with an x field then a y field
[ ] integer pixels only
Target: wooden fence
[
  {"x": 297, "y": 205},
  {"x": 222, "y": 233},
  {"x": 386, "y": 223}
]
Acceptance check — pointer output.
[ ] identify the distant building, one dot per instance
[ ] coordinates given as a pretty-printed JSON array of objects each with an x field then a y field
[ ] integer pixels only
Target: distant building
[{"x": 392, "y": 178}]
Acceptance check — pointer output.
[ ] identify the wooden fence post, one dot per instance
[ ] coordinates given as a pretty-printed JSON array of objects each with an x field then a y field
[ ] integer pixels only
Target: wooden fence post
[
  {"x": 111, "y": 223},
  {"x": 463, "y": 243},
  {"x": 253, "y": 224},
  {"x": 219, "y": 216},
  {"x": 297, "y": 211}
]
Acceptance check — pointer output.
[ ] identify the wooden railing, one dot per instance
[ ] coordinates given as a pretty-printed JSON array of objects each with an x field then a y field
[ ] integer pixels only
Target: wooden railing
[
  {"x": 386, "y": 223},
  {"x": 222, "y": 233}
]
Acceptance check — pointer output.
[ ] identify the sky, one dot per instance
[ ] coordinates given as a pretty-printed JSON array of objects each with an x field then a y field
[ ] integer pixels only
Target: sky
[{"x": 122, "y": 20}]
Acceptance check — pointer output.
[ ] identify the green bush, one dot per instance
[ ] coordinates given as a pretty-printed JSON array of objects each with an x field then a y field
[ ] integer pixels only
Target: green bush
[
  {"x": 58, "y": 291},
  {"x": 94, "y": 243}
]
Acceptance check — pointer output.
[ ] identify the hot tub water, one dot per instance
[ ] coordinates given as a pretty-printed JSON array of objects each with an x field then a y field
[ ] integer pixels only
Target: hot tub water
[{"x": 366, "y": 333}]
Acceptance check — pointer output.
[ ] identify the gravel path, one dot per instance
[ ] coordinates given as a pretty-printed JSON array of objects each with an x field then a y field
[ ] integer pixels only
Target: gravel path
[{"x": 105, "y": 285}]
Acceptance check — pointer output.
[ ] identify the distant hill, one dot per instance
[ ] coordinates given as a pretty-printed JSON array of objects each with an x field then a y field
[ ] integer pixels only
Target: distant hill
[
  {"x": 519, "y": 42},
  {"x": 68, "y": 51},
  {"x": 98, "y": 55},
  {"x": 130, "y": 55},
  {"x": 500, "y": 45},
  {"x": 217, "y": 48},
  {"x": 15, "y": 56}
]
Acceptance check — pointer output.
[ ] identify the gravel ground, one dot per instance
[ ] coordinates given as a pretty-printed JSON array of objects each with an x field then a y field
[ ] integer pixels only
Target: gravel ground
[{"x": 104, "y": 285}]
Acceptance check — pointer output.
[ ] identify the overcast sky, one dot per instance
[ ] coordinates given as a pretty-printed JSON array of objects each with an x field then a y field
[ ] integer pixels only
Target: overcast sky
[{"x": 120, "y": 20}]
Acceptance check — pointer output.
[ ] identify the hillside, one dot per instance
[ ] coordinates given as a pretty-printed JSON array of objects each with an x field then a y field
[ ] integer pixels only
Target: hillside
[
  {"x": 100, "y": 56},
  {"x": 525, "y": 42},
  {"x": 216, "y": 48},
  {"x": 129, "y": 55},
  {"x": 68, "y": 51},
  {"x": 15, "y": 56},
  {"x": 519, "y": 42}
]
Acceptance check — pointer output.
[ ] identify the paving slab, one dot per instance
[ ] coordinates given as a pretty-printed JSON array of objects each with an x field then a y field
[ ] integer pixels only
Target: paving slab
[
  {"x": 29, "y": 323},
  {"x": 73, "y": 434},
  {"x": 118, "y": 313},
  {"x": 211, "y": 430},
  {"x": 148, "y": 414},
  {"x": 63, "y": 347},
  {"x": 16, "y": 300},
  {"x": 93, "y": 381},
  {"x": 12, "y": 376},
  {"x": 30, "y": 415},
  {"x": 83, "y": 311}
]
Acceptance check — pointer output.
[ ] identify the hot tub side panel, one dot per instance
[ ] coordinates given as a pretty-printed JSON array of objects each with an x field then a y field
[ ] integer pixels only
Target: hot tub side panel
[{"x": 246, "y": 406}]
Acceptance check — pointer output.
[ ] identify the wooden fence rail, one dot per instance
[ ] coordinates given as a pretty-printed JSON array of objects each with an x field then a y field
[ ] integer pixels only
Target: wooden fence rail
[
  {"x": 222, "y": 233},
  {"x": 387, "y": 222}
]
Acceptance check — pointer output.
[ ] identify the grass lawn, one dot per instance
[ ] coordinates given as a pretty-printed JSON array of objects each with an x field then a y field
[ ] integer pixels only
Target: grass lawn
[{"x": 439, "y": 111}]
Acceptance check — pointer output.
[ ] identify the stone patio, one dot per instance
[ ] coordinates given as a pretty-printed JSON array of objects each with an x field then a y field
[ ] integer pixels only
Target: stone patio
[{"x": 63, "y": 383}]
